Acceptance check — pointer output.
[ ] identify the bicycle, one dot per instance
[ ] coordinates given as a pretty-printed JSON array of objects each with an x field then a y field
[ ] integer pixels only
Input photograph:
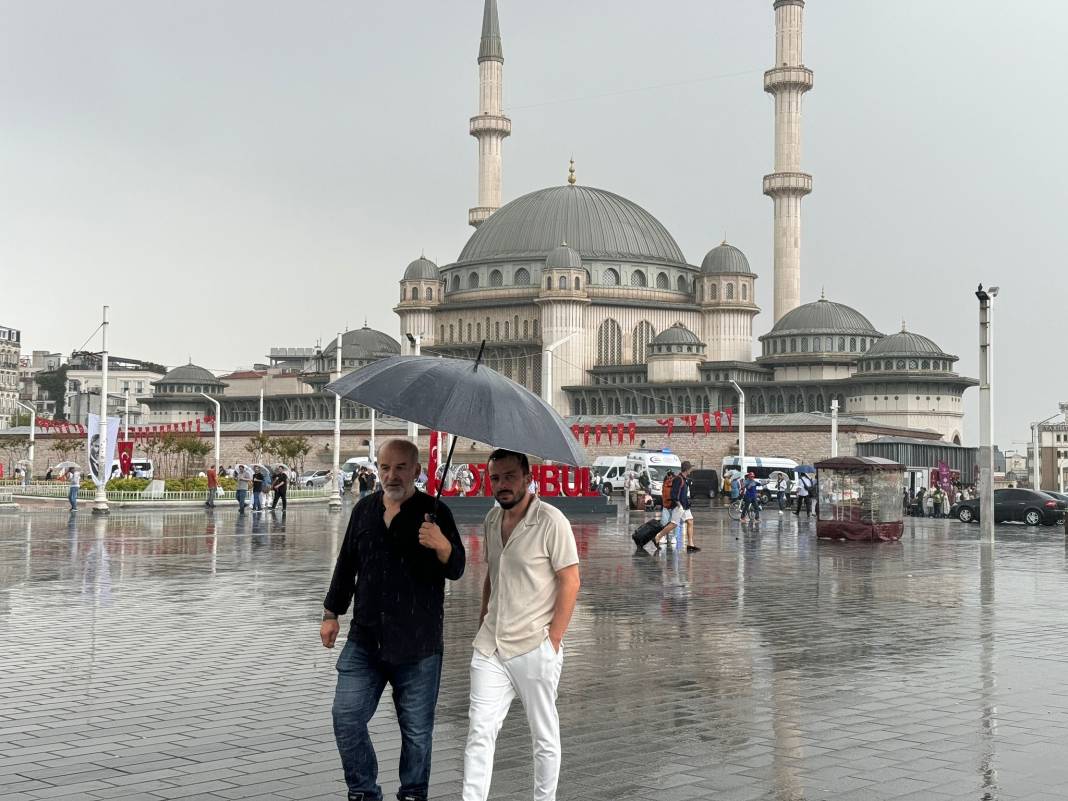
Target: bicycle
[{"x": 734, "y": 511}]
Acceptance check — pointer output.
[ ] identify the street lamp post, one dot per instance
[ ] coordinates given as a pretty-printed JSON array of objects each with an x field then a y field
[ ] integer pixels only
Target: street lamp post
[
  {"x": 217, "y": 426},
  {"x": 547, "y": 366},
  {"x": 126, "y": 415},
  {"x": 834, "y": 428},
  {"x": 33, "y": 430},
  {"x": 986, "y": 417},
  {"x": 335, "y": 497},
  {"x": 100, "y": 502},
  {"x": 741, "y": 426},
  {"x": 415, "y": 343}
]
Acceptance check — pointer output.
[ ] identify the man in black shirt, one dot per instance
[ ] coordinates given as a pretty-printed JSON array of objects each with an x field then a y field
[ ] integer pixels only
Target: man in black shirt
[
  {"x": 280, "y": 484},
  {"x": 395, "y": 560}
]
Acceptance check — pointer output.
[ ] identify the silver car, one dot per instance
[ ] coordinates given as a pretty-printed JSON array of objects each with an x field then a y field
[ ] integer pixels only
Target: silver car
[{"x": 315, "y": 478}]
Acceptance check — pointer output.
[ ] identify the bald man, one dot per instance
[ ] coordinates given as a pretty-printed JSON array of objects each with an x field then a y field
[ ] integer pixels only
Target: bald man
[{"x": 397, "y": 553}]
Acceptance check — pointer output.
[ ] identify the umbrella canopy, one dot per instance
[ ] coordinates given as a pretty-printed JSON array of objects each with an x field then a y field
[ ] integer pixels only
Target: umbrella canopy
[
  {"x": 66, "y": 465},
  {"x": 465, "y": 399},
  {"x": 805, "y": 468}
]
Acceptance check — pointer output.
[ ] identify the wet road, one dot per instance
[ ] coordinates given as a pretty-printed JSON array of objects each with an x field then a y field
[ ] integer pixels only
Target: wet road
[{"x": 176, "y": 655}]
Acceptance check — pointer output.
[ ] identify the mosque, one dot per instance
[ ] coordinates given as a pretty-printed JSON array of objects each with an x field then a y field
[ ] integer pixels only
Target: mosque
[{"x": 586, "y": 298}]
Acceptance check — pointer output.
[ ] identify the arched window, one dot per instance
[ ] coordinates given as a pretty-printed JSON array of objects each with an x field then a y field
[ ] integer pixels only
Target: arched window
[
  {"x": 863, "y": 344},
  {"x": 472, "y": 281},
  {"x": 829, "y": 344},
  {"x": 700, "y": 293},
  {"x": 804, "y": 344},
  {"x": 526, "y": 329},
  {"x": 637, "y": 278},
  {"x": 578, "y": 284},
  {"x": 522, "y": 277},
  {"x": 852, "y": 344},
  {"x": 611, "y": 277},
  {"x": 792, "y": 405},
  {"x": 456, "y": 283},
  {"x": 563, "y": 282},
  {"x": 443, "y": 333},
  {"x": 497, "y": 330},
  {"x": 506, "y": 330},
  {"x": 452, "y": 333},
  {"x": 745, "y": 292},
  {"x": 429, "y": 293},
  {"x": 534, "y": 328},
  {"x": 888, "y": 365},
  {"x": 640, "y": 338},
  {"x": 819, "y": 403},
  {"x": 469, "y": 332},
  {"x": 793, "y": 345},
  {"x": 460, "y": 329},
  {"x": 730, "y": 292},
  {"x": 549, "y": 282},
  {"x": 682, "y": 284},
  {"x": 496, "y": 278},
  {"x": 713, "y": 291},
  {"x": 415, "y": 293},
  {"x": 478, "y": 331},
  {"x": 926, "y": 364},
  {"x": 841, "y": 344},
  {"x": 609, "y": 343},
  {"x": 800, "y": 403},
  {"x": 662, "y": 281}
]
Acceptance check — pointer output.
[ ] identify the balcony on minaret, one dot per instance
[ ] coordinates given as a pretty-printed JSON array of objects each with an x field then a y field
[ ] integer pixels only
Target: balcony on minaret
[
  {"x": 787, "y": 183},
  {"x": 786, "y": 77},
  {"x": 491, "y": 123},
  {"x": 479, "y": 215}
]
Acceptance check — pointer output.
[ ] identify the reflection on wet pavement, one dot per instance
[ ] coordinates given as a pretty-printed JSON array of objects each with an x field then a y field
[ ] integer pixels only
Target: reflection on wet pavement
[{"x": 176, "y": 655}]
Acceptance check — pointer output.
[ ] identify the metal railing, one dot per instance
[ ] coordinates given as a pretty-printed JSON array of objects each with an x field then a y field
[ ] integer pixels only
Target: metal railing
[{"x": 49, "y": 489}]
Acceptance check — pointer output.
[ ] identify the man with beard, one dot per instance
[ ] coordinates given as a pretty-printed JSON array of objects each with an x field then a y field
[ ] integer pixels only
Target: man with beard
[
  {"x": 527, "y": 599},
  {"x": 399, "y": 548}
]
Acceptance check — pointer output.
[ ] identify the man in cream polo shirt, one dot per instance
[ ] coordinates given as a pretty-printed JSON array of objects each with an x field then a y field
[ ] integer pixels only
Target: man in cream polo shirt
[{"x": 527, "y": 600}]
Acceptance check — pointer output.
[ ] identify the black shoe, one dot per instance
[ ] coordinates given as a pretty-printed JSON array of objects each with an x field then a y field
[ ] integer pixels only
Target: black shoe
[{"x": 692, "y": 548}]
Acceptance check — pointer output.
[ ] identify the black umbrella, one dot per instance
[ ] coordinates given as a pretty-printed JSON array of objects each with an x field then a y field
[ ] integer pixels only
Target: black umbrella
[{"x": 466, "y": 399}]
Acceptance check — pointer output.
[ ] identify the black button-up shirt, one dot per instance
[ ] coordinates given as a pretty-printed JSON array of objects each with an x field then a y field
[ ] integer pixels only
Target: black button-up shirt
[{"x": 399, "y": 585}]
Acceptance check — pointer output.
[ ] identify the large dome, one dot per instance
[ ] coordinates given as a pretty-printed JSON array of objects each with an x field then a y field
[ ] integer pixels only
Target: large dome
[
  {"x": 906, "y": 343},
  {"x": 364, "y": 343},
  {"x": 824, "y": 316},
  {"x": 725, "y": 259},
  {"x": 189, "y": 374},
  {"x": 596, "y": 223}
]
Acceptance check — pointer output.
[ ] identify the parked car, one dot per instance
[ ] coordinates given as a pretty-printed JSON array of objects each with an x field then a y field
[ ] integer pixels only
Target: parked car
[
  {"x": 1023, "y": 505},
  {"x": 314, "y": 478}
]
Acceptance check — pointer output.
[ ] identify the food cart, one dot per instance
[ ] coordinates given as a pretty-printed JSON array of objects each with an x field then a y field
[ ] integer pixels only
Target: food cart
[{"x": 859, "y": 499}]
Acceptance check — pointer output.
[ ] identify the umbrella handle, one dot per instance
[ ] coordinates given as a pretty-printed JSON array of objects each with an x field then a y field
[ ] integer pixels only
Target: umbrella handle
[{"x": 444, "y": 476}]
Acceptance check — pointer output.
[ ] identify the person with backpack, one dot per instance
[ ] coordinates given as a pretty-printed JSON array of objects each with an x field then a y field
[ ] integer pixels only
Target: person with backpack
[
  {"x": 678, "y": 504},
  {"x": 665, "y": 497},
  {"x": 805, "y": 485}
]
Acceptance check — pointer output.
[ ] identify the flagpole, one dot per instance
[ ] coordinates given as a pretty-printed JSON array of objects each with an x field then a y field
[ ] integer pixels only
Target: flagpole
[
  {"x": 335, "y": 497},
  {"x": 100, "y": 502}
]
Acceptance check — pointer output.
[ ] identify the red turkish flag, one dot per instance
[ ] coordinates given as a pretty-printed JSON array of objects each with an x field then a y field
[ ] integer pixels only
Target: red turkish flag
[
  {"x": 597, "y": 434},
  {"x": 730, "y": 418},
  {"x": 576, "y": 430},
  {"x": 692, "y": 420},
  {"x": 706, "y": 422},
  {"x": 633, "y": 427},
  {"x": 719, "y": 420},
  {"x": 669, "y": 422},
  {"x": 619, "y": 434},
  {"x": 586, "y": 434}
]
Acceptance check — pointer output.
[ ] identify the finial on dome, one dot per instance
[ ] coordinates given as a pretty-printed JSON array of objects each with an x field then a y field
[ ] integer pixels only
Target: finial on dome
[
  {"x": 571, "y": 173},
  {"x": 823, "y": 293},
  {"x": 563, "y": 243},
  {"x": 724, "y": 242},
  {"x": 903, "y": 329}
]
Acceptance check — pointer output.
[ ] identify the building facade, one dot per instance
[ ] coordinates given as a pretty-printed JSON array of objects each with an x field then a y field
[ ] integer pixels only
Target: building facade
[{"x": 10, "y": 353}]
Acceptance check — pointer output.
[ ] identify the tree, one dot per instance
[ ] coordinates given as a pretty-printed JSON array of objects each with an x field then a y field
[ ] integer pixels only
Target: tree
[
  {"x": 70, "y": 448},
  {"x": 54, "y": 382},
  {"x": 259, "y": 446},
  {"x": 14, "y": 449},
  {"x": 292, "y": 451}
]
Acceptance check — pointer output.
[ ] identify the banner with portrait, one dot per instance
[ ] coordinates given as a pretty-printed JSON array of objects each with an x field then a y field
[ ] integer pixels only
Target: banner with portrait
[{"x": 99, "y": 463}]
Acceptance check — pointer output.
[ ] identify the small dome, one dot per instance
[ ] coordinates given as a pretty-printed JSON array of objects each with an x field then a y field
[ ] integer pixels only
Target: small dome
[
  {"x": 422, "y": 269},
  {"x": 823, "y": 317},
  {"x": 189, "y": 374},
  {"x": 563, "y": 258},
  {"x": 906, "y": 343},
  {"x": 364, "y": 343},
  {"x": 678, "y": 334},
  {"x": 725, "y": 259}
]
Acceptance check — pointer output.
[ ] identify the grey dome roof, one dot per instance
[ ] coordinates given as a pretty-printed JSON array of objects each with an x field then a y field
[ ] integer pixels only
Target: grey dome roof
[
  {"x": 725, "y": 259},
  {"x": 596, "y": 223},
  {"x": 906, "y": 343},
  {"x": 364, "y": 343},
  {"x": 564, "y": 258},
  {"x": 677, "y": 334},
  {"x": 422, "y": 269},
  {"x": 824, "y": 316},
  {"x": 189, "y": 374}
]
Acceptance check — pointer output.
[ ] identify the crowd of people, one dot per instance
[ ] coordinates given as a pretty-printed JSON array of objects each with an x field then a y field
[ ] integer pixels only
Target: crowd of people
[{"x": 933, "y": 501}]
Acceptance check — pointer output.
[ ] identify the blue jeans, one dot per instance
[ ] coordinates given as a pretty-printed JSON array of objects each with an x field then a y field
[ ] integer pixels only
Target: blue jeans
[
  {"x": 782, "y": 501},
  {"x": 257, "y": 501},
  {"x": 72, "y": 496},
  {"x": 361, "y": 678},
  {"x": 242, "y": 502}
]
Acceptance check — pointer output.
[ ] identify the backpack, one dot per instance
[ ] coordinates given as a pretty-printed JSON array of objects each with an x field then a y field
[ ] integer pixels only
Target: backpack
[{"x": 665, "y": 492}]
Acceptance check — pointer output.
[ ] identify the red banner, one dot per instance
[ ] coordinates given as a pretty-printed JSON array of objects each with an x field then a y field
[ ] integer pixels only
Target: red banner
[{"x": 125, "y": 450}]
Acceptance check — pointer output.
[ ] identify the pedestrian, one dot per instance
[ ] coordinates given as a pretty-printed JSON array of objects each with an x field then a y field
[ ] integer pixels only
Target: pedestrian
[
  {"x": 782, "y": 485},
  {"x": 666, "y": 501},
  {"x": 339, "y": 481},
  {"x": 928, "y": 504},
  {"x": 74, "y": 477},
  {"x": 736, "y": 487},
  {"x": 679, "y": 509},
  {"x": 280, "y": 485},
  {"x": 905, "y": 503},
  {"x": 48, "y": 474},
  {"x": 750, "y": 506},
  {"x": 258, "y": 480},
  {"x": 213, "y": 487},
  {"x": 365, "y": 482},
  {"x": 243, "y": 480},
  {"x": 391, "y": 551},
  {"x": 947, "y": 502},
  {"x": 805, "y": 484},
  {"x": 528, "y": 597}
]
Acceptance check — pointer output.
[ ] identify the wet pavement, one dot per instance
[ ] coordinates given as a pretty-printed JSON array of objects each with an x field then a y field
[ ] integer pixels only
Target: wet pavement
[{"x": 176, "y": 655}]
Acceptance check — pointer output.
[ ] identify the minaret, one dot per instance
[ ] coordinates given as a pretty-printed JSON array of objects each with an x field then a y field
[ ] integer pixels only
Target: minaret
[
  {"x": 490, "y": 126},
  {"x": 787, "y": 81}
]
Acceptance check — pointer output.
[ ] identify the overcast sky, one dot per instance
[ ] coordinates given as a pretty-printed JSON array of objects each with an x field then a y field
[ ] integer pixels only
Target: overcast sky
[{"x": 235, "y": 176}]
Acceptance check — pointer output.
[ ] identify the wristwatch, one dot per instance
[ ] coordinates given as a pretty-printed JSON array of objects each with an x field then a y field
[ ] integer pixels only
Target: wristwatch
[{"x": 328, "y": 615}]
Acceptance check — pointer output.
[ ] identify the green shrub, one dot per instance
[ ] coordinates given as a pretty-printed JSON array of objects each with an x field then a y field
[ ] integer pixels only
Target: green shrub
[{"x": 127, "y": 484}]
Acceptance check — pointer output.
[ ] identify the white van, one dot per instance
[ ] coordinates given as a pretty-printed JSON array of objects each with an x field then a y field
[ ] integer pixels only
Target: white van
[
  {"x": 610, "y": 470},
  {"x": 762, "y": 467},
  {"x": 656, "y": 464}
]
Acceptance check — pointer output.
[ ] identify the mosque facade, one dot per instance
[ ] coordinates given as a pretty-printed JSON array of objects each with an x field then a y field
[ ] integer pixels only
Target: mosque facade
[{"x": 583, "y": 296}]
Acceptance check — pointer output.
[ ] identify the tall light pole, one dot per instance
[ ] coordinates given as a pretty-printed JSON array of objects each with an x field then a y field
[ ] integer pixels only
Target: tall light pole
[
  {"x": 33, "y": 430},
  {"x": 100, "y": 502},
  {"x": 547, "y": 366},
  {"x": 1036, "y": 464},
  {"x": 415, "y": 344},
  {"x": 335, "y": 497},
  {"x": 371, "y": 442},
  {"x": 986, "y": 417},
  {"x": 834, "y": 427},
  {"x": 741, "y": 425},
  {"x": 126, "y": 415},
  {"x": 217, "y": 426}
]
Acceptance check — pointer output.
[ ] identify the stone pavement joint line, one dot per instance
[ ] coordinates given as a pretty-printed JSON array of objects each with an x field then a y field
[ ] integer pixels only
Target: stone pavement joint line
[{"x": 175, "y": 655}]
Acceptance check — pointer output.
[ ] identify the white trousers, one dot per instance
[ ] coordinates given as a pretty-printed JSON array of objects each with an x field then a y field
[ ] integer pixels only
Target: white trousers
[{"x": 534, "y": 677}]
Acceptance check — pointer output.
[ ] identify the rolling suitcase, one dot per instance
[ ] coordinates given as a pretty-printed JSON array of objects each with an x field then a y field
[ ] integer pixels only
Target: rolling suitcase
[{"x": 645, "y": 533}]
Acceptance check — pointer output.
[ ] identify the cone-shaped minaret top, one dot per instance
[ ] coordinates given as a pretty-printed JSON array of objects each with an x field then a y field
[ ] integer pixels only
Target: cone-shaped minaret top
[
  {"x": 491, "y": 48},
  {"x": 490, "y": 127}
]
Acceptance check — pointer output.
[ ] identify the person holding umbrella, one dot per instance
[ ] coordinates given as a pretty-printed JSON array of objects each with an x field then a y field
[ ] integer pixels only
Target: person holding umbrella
[
  {"x": 399, "y": 548},
  {"x": 527, "y": 599}
]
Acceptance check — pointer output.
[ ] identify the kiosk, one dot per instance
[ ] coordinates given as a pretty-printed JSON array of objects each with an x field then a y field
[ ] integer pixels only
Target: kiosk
[{"x": 859, "y": 499}]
